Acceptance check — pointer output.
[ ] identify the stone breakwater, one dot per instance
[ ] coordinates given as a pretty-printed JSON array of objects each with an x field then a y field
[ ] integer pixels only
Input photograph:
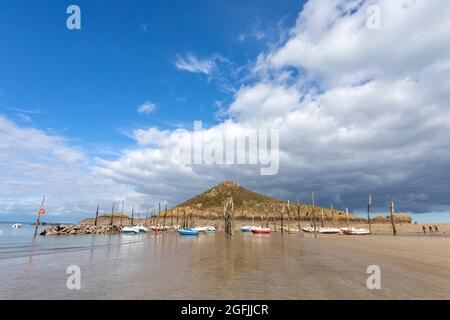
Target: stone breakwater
[{"x": 80, "y": 229}]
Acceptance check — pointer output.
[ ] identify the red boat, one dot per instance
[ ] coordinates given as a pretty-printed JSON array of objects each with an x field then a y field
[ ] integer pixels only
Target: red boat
[
  {"x": 261, "y": 230},
  {"x": 154, "y": 228}
]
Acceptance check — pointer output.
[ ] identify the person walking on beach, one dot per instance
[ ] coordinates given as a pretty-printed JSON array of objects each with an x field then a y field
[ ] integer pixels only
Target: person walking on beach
[
  {"x": 431, "y": 228},
  {"x": 436, "y": 229},
  {"x": 424, "y": 229}
]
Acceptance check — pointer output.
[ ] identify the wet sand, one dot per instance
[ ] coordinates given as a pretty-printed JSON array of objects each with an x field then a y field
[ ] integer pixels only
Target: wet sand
[{"x": 247, "y": 266}]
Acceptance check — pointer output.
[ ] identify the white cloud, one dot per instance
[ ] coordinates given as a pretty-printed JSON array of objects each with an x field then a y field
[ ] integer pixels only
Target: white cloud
[
  {"x": 147, "y": 107},
  {"x": 33, "y": 163},
  {"x": 358, "y": 110},
  {"x": 193, "y": 64}
]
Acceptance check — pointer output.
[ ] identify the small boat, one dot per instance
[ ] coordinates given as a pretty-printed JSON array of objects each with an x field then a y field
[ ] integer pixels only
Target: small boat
[
  {"x": 309, "y": 229},
  {"x": 322, "y": 230},
  {"x": 188, "y": 232},
  {"x": 17, "y": 225},
  {"x": 355, "y": 231},
  {"x": 329, "y": 230},
  {"x": 158, "y": 228},
  {"x": 261, "y": 230},
  {"x": 211, "y": 229},
  {"x": 199, "y": 229},
  {"x": 141, "y": 228},
  {"x": 130, "y": 230},
  {"x": 246, "y": 229}
]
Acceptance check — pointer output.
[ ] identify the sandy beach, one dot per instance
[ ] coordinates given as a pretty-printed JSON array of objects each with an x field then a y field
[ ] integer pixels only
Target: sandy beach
[{"x": 214, "y": 266}]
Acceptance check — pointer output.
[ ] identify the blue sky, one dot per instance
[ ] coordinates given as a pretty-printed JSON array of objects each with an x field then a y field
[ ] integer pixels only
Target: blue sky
[
  {"x": 87, "y": 84},
  {"x": 359, "y": 109}
]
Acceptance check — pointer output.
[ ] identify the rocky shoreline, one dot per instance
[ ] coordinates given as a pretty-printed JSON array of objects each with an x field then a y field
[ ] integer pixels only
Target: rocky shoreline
[{"x": 81, "y": 229}]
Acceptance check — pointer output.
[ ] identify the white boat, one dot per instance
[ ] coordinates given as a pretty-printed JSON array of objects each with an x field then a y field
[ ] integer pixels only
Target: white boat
[
  {"x": 17, "y": 225},
  {"x": 309, "y": 229},
  {"x": 204, "y": 229},
  {"x": 322, "y": 230},
  {"x": 329, "y": 230},
  {"x": 130, "y": 230},
  {"x": 141, "y": 228},
  {"x": 355, "y": 231},
  {"x": 199, "y": 229}
]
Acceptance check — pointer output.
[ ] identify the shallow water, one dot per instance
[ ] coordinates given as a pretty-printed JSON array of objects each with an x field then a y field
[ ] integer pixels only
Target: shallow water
[{"x": 210, "y": 266}]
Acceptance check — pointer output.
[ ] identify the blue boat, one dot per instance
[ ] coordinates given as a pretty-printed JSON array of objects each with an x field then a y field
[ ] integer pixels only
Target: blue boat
[
  {"x": 188, "y": 232},
  {"x": 246, "y": 229}
]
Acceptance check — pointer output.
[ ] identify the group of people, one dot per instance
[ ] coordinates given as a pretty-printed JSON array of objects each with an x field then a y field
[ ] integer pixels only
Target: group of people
[{"x": 430, "y": 228}]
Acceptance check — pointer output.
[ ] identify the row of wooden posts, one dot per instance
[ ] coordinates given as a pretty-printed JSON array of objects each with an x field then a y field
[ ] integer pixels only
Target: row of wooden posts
[
  {"x": 188, "y": 217},
  {"x": 229, "y": 217}
]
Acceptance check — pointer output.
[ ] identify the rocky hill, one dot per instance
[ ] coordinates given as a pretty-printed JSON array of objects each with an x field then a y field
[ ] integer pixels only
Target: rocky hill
[{"x": 248, "y": 204}]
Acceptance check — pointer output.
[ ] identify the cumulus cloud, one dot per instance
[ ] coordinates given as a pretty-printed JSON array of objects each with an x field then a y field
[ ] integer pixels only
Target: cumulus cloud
[
  {"x": 147, "y": 107},
  {"x": 34, "y": 163},
  {"x": 358, "y": 111}
]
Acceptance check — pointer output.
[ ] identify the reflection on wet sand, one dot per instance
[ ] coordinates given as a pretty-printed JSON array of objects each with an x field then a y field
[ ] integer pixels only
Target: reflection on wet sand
[{"x": 216, "y": 266}]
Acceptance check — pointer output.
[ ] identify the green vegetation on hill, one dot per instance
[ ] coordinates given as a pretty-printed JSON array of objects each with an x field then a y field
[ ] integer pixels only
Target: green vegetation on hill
[{"x": 248, "y": 204}]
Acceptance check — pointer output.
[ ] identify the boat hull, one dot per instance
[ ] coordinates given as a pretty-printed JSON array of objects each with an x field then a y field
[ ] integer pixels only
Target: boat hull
[
  {"x": 187, "y": 232},
  {"x": 355, "y": 232},
  {"x": 262, "y": 230}
]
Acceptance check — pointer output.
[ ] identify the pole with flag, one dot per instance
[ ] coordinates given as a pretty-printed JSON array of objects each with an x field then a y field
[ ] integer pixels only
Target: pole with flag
[{"x": 40, "y": 212}]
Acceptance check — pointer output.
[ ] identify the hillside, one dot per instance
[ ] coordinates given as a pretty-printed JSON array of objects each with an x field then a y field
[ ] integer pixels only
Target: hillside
[{"x": 247, "y": 204}]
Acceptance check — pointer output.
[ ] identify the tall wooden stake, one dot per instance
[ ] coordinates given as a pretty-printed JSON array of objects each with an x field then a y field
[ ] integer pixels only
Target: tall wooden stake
[
  {"x": 274, "y": 220},
  {"x": 313, "y": 214},
  {"x": 228, "y": 216},
  {"x": 121, "y": 215},
  {"x": 332, "y": 214},
  {"x": 369, "y": 206},
  {"x": 298, "y": 217},
  {"x": 392, "y": 208},
  {"x": 348, "y": 223},
  {"x": 146, "y": 218},
  {"x": 132, "y": 216},
  {"x": 38, "y": 220},
  {"x": 112, "y": 213},
  {"x": 289, "y": 217},
  {"x": 282, "y": 219},
  {"x": 321, "y": 218},
  {"x": 96, "y": 216},
  {"x": 165, "y": 215}
]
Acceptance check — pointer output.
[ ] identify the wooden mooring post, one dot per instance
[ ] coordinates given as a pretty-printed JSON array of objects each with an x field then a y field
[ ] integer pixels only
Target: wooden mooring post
[
  {"x": 346, "y": 214},
  {"x": 391, "y": 209},
  {"x": 228, "y": 213},
  {"x": 96, "y": 216},
  {"x": 121, "y": 216},
  {"x": 321, "y": 218},
  {"x": 289, "y": 217},
  {"x": 313, "y": 214},
  {"x": 369, "y": 207},
  {"x": 112, "y": 213},
  {"x": 165, "y": 215}
]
